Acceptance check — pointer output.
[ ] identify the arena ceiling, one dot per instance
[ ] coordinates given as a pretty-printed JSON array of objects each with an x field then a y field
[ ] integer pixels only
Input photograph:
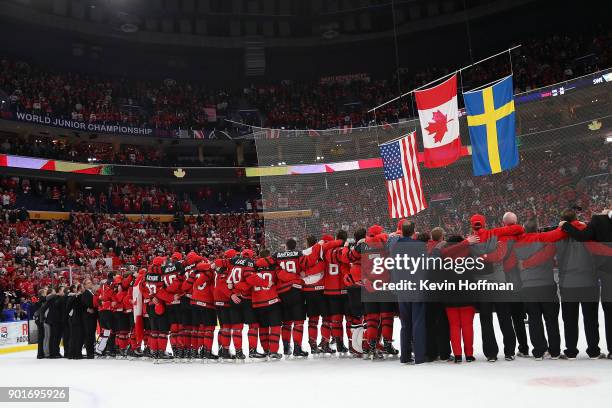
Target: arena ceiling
[{"x": 229, "y": 23}]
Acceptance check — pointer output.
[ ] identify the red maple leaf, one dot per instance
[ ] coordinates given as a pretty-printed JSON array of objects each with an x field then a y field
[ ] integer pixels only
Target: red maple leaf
[{"x": 438, "y": 127}]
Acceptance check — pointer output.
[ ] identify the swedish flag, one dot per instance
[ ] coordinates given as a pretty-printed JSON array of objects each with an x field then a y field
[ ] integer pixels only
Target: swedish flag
[{"x": 491, "y": 122}]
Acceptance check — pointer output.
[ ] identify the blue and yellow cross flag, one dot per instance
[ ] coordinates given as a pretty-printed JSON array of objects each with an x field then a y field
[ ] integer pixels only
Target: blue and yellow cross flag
[{"x": 491, "y": 122}]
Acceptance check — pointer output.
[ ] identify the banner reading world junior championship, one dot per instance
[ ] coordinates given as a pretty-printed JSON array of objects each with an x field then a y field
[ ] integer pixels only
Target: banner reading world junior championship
[{"x": 78, "y": 125}]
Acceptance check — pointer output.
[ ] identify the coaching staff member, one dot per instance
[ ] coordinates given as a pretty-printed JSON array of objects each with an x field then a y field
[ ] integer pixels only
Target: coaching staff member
[
  {"x": 599, "y": 229},
  {"x": 413, "y": 334},
  {"x": 89, "y": 318}
]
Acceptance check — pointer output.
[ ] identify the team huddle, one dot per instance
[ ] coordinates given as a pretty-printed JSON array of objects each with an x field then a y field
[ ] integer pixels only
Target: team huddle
[{"x": 184, "y": 298}]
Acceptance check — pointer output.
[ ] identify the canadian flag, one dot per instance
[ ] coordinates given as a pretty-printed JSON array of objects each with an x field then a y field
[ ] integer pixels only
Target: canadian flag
[{"x": 439, "y": 117}]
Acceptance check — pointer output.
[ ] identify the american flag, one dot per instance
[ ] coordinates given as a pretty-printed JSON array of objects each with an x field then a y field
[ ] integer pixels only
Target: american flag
[
  {"x": 405, "y": 195},
  {"x": 346, "y": 129},
  {"x": 272, "y": 133}
]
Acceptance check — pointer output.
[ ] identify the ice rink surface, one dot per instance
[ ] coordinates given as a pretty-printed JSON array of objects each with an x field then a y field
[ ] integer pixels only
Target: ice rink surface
[{"x": 321, "y": 382}]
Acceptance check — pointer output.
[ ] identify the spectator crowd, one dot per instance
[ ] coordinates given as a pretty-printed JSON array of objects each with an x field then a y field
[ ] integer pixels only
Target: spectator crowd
[
  {"x": 35, "y": 254},
  {"x": 96, "y": 152},
  {"x": 37, "y": 194},
  {"x": 171, "y": 104}
]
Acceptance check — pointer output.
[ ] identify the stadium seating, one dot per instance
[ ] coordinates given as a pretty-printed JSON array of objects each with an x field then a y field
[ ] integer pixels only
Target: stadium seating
[{"x": 295, "y": 105}]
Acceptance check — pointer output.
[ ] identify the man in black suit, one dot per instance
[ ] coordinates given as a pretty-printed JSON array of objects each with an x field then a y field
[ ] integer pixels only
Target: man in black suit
[
  {"x": 599, "y": 229},
  {"x": 413, "y": 334},
  {"x": 55, "y": 319},
  {"x": 89, "y": 317},
  {"x": 44, "y": 313},
  {"x": 39, "y": 318},
  {"x": 75, "y": 310},
  {"x": 67, "y": 330}
]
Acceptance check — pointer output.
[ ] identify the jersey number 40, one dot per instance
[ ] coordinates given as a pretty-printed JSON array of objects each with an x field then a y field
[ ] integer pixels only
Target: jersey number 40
[{"x": 235, "y": 275}]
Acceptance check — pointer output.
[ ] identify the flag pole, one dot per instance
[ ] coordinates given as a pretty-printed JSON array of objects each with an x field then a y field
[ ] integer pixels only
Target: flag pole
[
  {"x": 397, "y": 138},
  {"x": 444, "y": 77},
  {"x": 487, "y": 84},
  {"x": 241, "y": 124}
]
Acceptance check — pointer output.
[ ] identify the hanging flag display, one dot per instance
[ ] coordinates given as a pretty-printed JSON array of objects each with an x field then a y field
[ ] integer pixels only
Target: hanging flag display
[
  {"x": 272, "y": 133},
  {"x": 491, "y": 122},
  {"x": 346, "y": 129},
  {"x": 439, "y": 118},
  {"x": 405, "y": 195}
]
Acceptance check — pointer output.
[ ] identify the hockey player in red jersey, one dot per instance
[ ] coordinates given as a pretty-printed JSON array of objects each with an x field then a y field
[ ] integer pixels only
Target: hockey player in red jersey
[
  {"x": 379, "y": 315},
  {"x": 115, "y": 312},
  {"x": 335, "y": 291},
  {"x": 245, "y": 291},
  {"x": 351, "y": 277},
  {"x": 119, "y": 317},
  {"x": 222, "y": 296},
  {"x": 289, "y": 289},
  {"x": 316, "y": 305},
  {"x": 159, "y": 297},
  {"x": 104, "y": 296},
  {"x": 266, "y": 303},
  {"x": 200, "y": 284},
  {"x": 241, "y": 309},
  {"x": 173, "y": 273},
  {"x": 122, "y": 306},
  {"x": 187, "y": 348}
]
